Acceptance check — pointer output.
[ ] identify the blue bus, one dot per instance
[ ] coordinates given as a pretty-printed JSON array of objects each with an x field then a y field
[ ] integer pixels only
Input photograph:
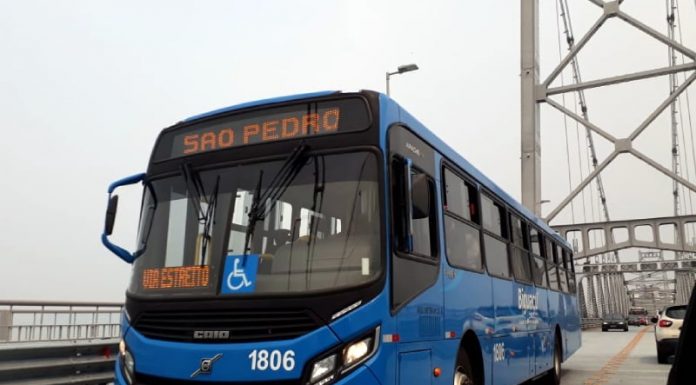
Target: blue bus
[{"x": 331, "y": 238}]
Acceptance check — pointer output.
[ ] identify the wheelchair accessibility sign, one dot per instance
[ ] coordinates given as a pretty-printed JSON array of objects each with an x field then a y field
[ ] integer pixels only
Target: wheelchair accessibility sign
[{"x": 240, "y": 274}]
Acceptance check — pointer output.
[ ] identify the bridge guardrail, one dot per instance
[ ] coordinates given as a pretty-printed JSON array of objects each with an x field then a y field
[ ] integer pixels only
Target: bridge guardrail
[
  {"x": 35, "y": 321},
  {"x": 46, "y": 343},
  {"x": 589, "y": 323},
  {"x": 59, "y": 362}
]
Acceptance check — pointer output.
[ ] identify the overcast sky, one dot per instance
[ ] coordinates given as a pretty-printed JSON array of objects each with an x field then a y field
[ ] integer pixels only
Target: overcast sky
[{"x": 85, "y": 86}]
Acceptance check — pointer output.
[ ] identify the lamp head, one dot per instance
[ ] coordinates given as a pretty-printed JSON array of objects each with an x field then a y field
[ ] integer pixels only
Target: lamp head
[{"x": 407, "y": 68}]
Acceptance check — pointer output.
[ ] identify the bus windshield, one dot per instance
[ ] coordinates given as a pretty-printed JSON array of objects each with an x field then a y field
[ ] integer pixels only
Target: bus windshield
[{"x": 316, "y": 229}]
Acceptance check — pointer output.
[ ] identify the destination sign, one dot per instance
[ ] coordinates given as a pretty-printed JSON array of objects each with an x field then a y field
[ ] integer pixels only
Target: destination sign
[
  {"x": 176, "y": 277},
  {"x": 265, "y": 126}
]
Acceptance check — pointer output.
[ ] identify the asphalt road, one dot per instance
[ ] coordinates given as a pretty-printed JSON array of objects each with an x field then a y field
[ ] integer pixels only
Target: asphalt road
[{"x": 616, "y": 357}]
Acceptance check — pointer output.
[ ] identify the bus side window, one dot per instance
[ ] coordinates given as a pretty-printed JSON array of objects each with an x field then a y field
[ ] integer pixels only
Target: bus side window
[
  {"x": 562, "y": 271},
  {"x": 494, "y": 237},
  {"x": 415, "y": 266},
  {"x": 558, "y": 257},
  {"x": 534, "y": 241},
  {"x": 551, "y": 265},
  {"x": 570, "y": 270},
  {"x": 519, "y": 255},
  {"x": 460, "y": 197},
  {"x": 549, "y": 252},
  {"x": 538, "y": 262},
  {"x": 423, "y": 227},
  {"x": 462, "y": 233}
]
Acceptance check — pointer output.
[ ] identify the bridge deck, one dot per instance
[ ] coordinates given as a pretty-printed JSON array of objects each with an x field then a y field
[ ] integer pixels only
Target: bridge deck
[{"x": 616, "y": 357}]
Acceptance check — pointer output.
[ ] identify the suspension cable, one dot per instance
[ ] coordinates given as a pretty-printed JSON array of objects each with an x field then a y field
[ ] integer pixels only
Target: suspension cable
[
  {"x": 565, "y": 118},
  {"x": 567, "y": 22},
  {"x": 582, "y": 174}
]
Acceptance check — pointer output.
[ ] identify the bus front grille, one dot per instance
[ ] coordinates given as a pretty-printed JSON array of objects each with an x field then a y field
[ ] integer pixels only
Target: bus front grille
[{"x": 226, "y": 325}]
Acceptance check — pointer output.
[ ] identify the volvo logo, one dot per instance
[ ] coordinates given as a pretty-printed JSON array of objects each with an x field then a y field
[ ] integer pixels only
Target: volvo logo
[{"x": 206, "y": 365}]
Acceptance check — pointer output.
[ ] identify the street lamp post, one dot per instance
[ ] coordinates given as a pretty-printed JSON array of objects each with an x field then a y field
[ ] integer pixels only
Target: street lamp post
[{"x": 399, "y": 70}]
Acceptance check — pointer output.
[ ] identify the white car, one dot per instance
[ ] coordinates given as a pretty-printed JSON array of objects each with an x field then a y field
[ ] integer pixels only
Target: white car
[{"x": 667, "y": 328}]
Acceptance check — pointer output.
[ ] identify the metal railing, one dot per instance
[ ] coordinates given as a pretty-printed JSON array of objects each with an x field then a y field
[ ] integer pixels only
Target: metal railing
[
  {"x": 58, "y": 362},
  {"x": 589, "y": 323},
  {"x": 38, "y": 321}
]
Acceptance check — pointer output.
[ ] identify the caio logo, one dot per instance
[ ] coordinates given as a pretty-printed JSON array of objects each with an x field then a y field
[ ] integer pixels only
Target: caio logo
[{"x": 211, "y": 334}]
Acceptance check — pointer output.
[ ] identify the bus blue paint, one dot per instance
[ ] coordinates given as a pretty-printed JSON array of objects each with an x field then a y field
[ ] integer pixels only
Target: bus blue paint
[{"x": 460, "y": 306}]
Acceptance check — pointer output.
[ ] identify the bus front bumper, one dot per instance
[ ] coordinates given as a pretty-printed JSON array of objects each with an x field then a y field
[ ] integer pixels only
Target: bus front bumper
[{"x": 360, "y": 376}]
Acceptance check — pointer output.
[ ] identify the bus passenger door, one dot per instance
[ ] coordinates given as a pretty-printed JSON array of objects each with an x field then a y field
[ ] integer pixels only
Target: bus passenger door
[{"x": 416, "y": 284}]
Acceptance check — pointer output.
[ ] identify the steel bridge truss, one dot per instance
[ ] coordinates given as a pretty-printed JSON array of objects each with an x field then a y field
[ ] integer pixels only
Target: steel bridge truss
[
  {"x": 665, "y": 233},
  {"x": 535, "y": 92},
  {"x": 543, "y": 90},
  {"x": 640, "y": 267},
  {"x": 602, "y": 287}
]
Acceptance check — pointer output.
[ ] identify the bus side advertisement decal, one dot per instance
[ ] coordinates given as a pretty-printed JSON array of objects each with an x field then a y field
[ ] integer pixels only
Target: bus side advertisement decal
[{"x": 527, "y": 301}]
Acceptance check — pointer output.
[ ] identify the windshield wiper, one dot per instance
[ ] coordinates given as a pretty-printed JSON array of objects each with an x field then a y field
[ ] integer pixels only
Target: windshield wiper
[
  {"x": 262, "y": 204},
  {"x": 315, "y": 213},
  {"x": 205, "y": 216}
]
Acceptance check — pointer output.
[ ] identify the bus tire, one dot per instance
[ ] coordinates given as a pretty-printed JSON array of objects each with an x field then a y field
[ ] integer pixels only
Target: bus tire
[
  {"x": 463, "y": 373},
  {"x": 553, "y": 376}
]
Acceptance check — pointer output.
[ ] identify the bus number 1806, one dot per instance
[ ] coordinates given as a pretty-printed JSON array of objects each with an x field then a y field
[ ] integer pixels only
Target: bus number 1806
[{"x": 274, "y": 360}]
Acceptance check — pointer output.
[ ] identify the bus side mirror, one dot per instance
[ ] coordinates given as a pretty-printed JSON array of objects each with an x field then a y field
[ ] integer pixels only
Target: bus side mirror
[
  {"x": 421, "y": 197},
  {"x": 110, "y": 219},
  {"x": 111, "y": 215}
]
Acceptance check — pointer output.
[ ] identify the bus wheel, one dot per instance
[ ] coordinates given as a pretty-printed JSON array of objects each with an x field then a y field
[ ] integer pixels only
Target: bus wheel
[
  {"x": 463, "y": 374},
  {"x": 554, "y": 375}
]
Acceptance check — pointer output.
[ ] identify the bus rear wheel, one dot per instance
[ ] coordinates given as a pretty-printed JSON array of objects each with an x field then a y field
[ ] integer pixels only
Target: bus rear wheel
[
  {"x": 553, "y": 376},
  {"x": 463, "y": 374}
]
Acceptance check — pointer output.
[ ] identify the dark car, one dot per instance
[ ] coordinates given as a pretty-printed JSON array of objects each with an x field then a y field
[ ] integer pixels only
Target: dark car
[{"x": 614, "y": 321}]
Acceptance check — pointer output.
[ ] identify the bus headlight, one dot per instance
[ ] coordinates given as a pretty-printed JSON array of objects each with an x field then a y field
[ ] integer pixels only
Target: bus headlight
[
  {"x": 322, "y": 368},
  {"x": 129, "y": 366},
  {"x": 357, "y": 351},
  {"x": 127, "y": 362},
  {"x": 340, "y": 360}
]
